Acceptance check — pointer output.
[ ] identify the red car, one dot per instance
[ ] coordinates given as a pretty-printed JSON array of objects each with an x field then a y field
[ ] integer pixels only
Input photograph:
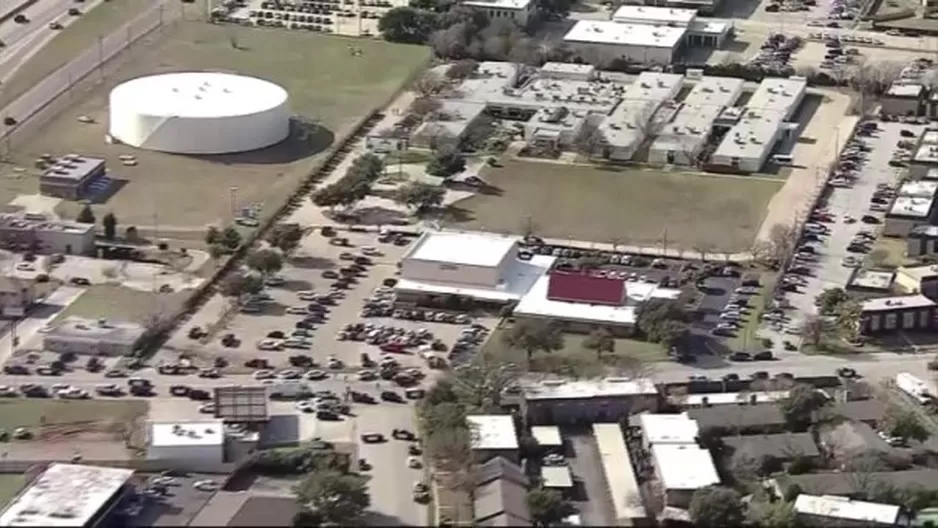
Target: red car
[{"x": 392, "y": 348}]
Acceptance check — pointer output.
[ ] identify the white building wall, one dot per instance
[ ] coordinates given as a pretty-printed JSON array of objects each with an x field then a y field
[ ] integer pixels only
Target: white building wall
[
  {"x": 608, "y": 52},
  {"x": 203, "y": 454},
  {"x": 426, "y": 271}
]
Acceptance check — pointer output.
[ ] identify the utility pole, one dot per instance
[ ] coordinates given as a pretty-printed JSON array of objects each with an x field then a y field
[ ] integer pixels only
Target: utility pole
[{"x": 101, "y": 56}]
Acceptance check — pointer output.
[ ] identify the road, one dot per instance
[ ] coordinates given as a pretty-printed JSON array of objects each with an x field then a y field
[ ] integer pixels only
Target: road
[{"x": 28, "y": 104}]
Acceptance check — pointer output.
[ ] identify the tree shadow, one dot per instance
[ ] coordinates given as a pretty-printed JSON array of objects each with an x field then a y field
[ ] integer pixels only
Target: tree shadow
[
  {"x": 295, "y": 285},
  {"x": 311, "y": 262},
  {"x": 373, "y": 518},
  {"x": 380, "y": 216},
  {"x": 458, "y": 215},
  {"x": 306, "y": 139}
]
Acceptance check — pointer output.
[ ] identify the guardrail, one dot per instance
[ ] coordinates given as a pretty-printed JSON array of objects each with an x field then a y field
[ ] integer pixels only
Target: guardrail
[{"x": 43, "y": 94}]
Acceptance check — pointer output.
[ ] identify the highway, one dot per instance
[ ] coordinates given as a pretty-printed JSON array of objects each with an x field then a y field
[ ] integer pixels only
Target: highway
[{"x": 24, "y": 41}]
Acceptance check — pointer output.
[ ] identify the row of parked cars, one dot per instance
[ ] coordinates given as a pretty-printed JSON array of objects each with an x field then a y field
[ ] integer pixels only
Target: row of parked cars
[
  {"x": 776, "y": 51},
  {"x": 733, "y": 315}
]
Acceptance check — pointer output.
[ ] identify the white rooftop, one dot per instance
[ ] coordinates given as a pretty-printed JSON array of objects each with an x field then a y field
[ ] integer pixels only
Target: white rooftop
[
  {"x": 684, "y": 466},
  {"x": 627, "y": 124},
  {"x": 754, "y": 134},
  {"x": 919, "y": 273},
  {"x": 918, "y": 189},
  {"x": 518, "y": 278},
  {"x": 654, "y": 15},
  {"x": 928, "y": 150},
  {"x": 731, "y": 398},
  {"x": 579, "y": 389},
  {"x": 905, "y": 89},
  {"x": 872, "y": 279},
  {"x": 65, "y": 495},
  {"x": 846, "y": 509},
  {"x": 467, "y": 249},
  {"x": 498, "y": 4},
  {"x": 897, "y": 303},
  {"x": 169, "y": 434},
  {"x": 909, "y": 206},
  {"x": 688, "y": 131},
  {"x": 547, "y": 435},
  {"x": 609, "y": 32},
  {"x": 199, "y": 94},
  {"x": 581, "y": 70},
  {"x": 493, "y": 431},
  {"x": 556, "y": 476},
  {"x": 669, "y": 428}
]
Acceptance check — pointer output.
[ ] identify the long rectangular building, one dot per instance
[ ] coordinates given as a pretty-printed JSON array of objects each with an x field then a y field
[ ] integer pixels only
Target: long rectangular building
[
  {"x": 682, "y": 140},
  {"x": 759, "y": 125},
  {"x": 620, "y": 475},
  {"x": 68, "y": 495}
]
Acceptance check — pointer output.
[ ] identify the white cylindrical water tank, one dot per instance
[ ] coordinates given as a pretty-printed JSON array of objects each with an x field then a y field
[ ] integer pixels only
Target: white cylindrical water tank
[{"x": 199, "y": 113}]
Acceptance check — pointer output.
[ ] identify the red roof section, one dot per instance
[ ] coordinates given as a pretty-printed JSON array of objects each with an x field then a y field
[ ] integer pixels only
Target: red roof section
[{"x": 590, "y": 287}]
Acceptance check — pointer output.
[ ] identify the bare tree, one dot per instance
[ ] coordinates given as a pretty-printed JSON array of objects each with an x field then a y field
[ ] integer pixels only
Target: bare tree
[
  {"x": 813, "y": 330},
  {"x": 704, "y": 249},
  {"x": 429, "y": 84},
  {"x": 783, "y": 239},
  {"x": 424, "y": 106},
  {"x": 589, "y": 140}
]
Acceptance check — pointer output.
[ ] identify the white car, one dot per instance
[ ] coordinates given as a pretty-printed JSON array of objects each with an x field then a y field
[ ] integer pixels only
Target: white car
[
  {"x": 264, "y": 374},
  {"x": 205, "y": 485},
  {"x": 297, "y": 310},
  {"x": 414, "y": 462},
  {"x": 270, "y": 344},
  {"x": 275, "y": 280},
  {"x": 367, "y": 375},
  {"x": 207, "y": 408},
  {"x": 25, "y": 266},
  {"x": 304, "y": 406},
  {"x": 306, "y": 295},
  {"x": 334, "y": 363}
]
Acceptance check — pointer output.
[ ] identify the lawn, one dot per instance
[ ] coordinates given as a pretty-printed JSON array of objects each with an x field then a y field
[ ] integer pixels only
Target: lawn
[
  {"x": 118, "y": 303},
  {"x": 78, "y": 36},
  {"x": 745, "y": 339},
  {"x": 10, "y": 485},
  {"x": 328, "y": 88},
  {"x": 35, "y": 413},
  {"x": 637, "y": 207},
  {"x": 889, "y": 253},
  {"x": 575, "y": 359}
]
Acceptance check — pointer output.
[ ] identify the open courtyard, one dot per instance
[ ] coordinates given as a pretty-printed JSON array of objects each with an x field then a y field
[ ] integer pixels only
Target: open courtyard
[
  {"x": 330, "y": 88},
  {"x": 625, "y": 205}
]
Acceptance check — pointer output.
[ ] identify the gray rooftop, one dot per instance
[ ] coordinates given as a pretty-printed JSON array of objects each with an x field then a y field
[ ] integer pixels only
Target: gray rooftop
[
  {"x": 628, "y": 123},
  {"x": 781, "y": 446},
  {"x": 689, "y": 129},
  {"x": 849, "y": 483},
  {"x": 238, "y": 403},
  {"x": 773, "y": 102},
  {"x": 501, "y": 494},
  {"x": 80, "y": 329},
  {"x": 73, "y": 167},
  {"x": 39, "y": 222}
]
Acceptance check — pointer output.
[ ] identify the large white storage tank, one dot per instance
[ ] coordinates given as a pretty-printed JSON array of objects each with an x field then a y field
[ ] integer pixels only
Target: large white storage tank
[{"x": 199, "y": 113}]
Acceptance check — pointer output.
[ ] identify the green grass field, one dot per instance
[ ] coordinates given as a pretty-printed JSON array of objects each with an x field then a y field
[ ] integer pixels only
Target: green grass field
[
  {"x": 575, "y": 359},
  {"x": 35, "y": 413},
  {"x": 10, "y": 485},
  {"x": 327, "y": 86},
  {"x": 119, "y": 303},
  {"x": 79, "y": 35},
  {"x": 631, "y": 206}
]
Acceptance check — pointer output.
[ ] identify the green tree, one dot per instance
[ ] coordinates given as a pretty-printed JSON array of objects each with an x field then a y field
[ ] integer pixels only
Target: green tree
[
  {"x": 341, "y": 194},
  {"x": 848, "y": 319},
  {"x": 717, "y": 507},
  {"x": 906, "y": 425},
  {"x": 446, "y": 161},
  {"x": 230, "y": 238},
  {"x": 600, "y": 340},
  {"x": 419, "y": 196},
  {"x": 337, "y": 498},
  {"x": 548, "y": 507},
  {"x": 777, "y": 514},
  {"x": 479, "y": 385},
  {"x": 237, "y": 285},
  {"x": 86, "y": 215},
  {"x": 285, "y": 237},
  {"x": 830, "y": 299},
  {"x": 212, "y": 235},
  {"x": 662, "y": 321},
  {"x": 109, "y": 223},
  {"x": 535, "y": 335},
  {"x": 265, "y": 261},
  {"x": 407, "y": 25},
  {"x": 802, "y": 406}
]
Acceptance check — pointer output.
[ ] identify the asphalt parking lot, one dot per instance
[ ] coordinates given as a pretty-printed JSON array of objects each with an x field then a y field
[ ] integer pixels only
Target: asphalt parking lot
[{"x": 843, "y": 203}]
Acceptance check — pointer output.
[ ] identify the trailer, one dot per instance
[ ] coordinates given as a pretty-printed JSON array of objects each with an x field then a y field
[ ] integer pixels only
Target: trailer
[
  {"x": 290, "y": 389},
  {"x": 914, "y": 387}
]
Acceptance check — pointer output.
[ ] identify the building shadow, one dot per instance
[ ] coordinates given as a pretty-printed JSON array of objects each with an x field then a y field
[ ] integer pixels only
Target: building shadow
[
  {"x": 103, "y": 188},
  {"x": 311, "y": 262},
  {"x": 740, "y": 9},
  {"x": 295, "y": 285},
  {"x": 306, "y": 139}
]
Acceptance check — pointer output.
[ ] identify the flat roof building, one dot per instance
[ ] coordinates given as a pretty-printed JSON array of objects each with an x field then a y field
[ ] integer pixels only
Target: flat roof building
[
  {"x": 760, "y": 124},
  {"x": 517, "y": 10},
  {"x": 36, "y": 233},
  {"x": 494, "y": 435},
  {"x": 70, "y": 176},
  {"x": 905, "y": 312},
  {"x": 918, "y": 279},
  {"x": 68, "y": 495},
  {"x": 547, "y": 436},
  {"x": 668, "y": 429},
  {"x": 683, "y": 469},
  {"x": 560, "y": 401},
  {"x": 481, "y": 266},
  {"x": 98, "y": 337},
  {"x": 198, "y": 442},
  {"x": 627, "y": 499},
  {"x": 682, "y": 140},
  {"x": 914, "y": 205},
  {"x": 636, "y": 14},
  {"x": 835, "y": 511},
  {"x": 627, "y": 126},
  {"x": 871, "y": 280},
  {"x": 608, "y": 40}
]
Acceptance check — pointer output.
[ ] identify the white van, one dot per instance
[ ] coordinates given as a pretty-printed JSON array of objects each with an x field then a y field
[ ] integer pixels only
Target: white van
[{"x": 782, "y": 159}]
